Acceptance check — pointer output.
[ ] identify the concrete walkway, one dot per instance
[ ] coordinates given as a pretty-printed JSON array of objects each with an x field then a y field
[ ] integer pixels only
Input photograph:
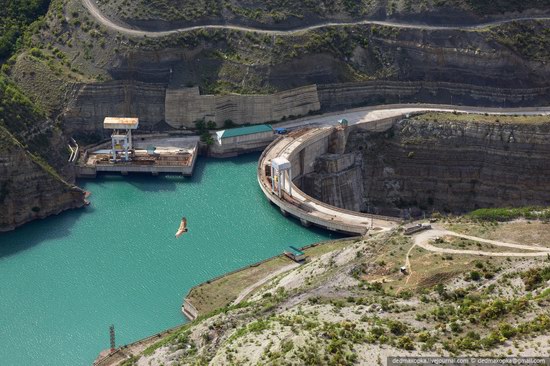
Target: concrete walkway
[{"x": 100, "y": 17}]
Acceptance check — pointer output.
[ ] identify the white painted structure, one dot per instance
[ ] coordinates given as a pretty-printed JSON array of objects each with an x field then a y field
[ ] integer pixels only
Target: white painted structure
[
  {"x": 121, "y": 138},
  {"x": 281, "y": 170}
]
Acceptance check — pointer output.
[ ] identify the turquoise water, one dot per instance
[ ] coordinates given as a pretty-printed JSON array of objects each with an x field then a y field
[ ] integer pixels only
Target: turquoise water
[{"x": 65, "y": 279}]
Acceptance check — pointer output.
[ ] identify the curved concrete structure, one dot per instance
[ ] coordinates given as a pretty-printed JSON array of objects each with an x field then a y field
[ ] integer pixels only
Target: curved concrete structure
[
  {"x": 300, "y": 205},
  {"x": 302, "y": 147}
]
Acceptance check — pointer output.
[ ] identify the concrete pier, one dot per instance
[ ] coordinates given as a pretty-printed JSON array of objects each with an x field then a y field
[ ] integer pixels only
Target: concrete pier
[{"x": 151, "y": 155}]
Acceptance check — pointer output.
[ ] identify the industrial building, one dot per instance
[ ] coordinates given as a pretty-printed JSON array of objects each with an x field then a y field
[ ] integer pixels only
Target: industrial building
[
  {"x": 244, "y": 134},
  {"x": 148, "y": 154},
  {"x": 239, "y": 140}
]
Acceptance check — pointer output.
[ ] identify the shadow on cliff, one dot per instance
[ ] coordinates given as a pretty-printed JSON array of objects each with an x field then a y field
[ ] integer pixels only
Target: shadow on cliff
[{"x": 40, "y": 231}]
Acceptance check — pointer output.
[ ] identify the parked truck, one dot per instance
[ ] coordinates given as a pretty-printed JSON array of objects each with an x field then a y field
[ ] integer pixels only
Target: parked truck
[{"x": 416, "y": 228}]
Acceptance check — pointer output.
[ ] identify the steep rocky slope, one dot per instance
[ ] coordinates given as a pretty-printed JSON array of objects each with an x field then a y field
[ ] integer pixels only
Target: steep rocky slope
[
  {"x": 29, "y": 188},
  {"x": 35, "y": 178},
  {"x": 281, "y": 14},
  {"x": 455, "y": 163}
]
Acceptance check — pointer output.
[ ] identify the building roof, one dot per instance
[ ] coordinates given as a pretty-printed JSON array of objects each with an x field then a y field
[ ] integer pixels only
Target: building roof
[
  {"x": 242, "y": 131},
  {"x": 280, "y": 163},
  {"x": 116, "y": 123},
  {"x": 295, "y": 250}
]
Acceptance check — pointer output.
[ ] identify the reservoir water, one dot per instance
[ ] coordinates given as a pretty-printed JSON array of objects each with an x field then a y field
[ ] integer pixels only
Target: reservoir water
[{"x": 65, "y": 279}]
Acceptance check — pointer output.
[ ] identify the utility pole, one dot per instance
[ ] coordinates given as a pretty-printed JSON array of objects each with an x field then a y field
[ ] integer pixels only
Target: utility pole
[{"x": 112, "y": 335}]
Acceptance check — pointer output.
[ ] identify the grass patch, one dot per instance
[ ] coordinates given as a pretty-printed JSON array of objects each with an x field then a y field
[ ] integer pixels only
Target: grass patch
[
  {"x": 480, "y": 118},
  {"x": 508, "y": 214}
]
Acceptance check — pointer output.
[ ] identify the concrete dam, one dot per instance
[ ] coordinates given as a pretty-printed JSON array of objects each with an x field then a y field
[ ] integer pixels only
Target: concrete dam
[{"x": 375, "y": 174}]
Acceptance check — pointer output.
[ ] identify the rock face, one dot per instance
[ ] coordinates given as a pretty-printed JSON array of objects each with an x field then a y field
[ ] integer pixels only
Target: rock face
[
  {"x": 29, "y": 188},
  {"x": 185, "y": 105},
  {"x": 348, "y": 95},
  {"x": 94, "y": 102},
  {"x": 454, "y": 166},
  {"x": 336, "y": 181}
]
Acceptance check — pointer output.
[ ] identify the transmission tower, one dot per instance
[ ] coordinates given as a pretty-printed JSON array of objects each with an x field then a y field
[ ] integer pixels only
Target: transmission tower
[{"x": 112, "y": 334}]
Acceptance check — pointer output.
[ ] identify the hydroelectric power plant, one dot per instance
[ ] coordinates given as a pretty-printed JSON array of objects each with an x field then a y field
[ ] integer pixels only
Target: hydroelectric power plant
[{"x": 330, "y": 214}]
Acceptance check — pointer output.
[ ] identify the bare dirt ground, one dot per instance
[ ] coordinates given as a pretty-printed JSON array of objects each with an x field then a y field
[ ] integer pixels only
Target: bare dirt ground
[{"x": 528, "y": 232}]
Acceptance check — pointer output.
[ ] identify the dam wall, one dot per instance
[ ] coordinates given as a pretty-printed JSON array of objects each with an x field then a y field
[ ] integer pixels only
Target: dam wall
[
  {"x": 303, "y": 159},
  {"x": 303, "y": 148},
  {"x": 185, "y": 106}
]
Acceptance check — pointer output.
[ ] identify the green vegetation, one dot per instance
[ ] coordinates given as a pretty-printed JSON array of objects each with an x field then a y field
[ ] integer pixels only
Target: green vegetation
[
  {"x": 479, "y": 118},
  {"x": 17, "y": 113},
  {"x": 530, "y": 40},
  {"x": 507, "y": 214},
  {"x": 504, "y": 6},
  {"x": 281, "y": 11},
  {"x": 203, "y": 128},
  {"x": 15, "y": 17},
  {"x": 535, "y": 277}
]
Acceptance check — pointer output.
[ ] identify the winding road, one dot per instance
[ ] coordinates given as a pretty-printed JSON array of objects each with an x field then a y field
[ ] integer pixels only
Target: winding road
[
  {"x": 103, "y": 19},
  {"x": 423, "y": 239}
]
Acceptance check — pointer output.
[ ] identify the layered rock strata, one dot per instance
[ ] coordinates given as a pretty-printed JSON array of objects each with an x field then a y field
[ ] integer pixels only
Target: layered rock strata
[{"x": 452, "y": 166}]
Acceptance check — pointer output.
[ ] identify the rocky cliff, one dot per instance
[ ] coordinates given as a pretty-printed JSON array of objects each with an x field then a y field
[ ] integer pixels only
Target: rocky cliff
[
  {"x": 455, "y": 163},
  {"x": 35, "y": 178},
  {"x": 93, "y": 102},
  {"x": 337, "y": 180},
  {"x": 29, "y": 188}
]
